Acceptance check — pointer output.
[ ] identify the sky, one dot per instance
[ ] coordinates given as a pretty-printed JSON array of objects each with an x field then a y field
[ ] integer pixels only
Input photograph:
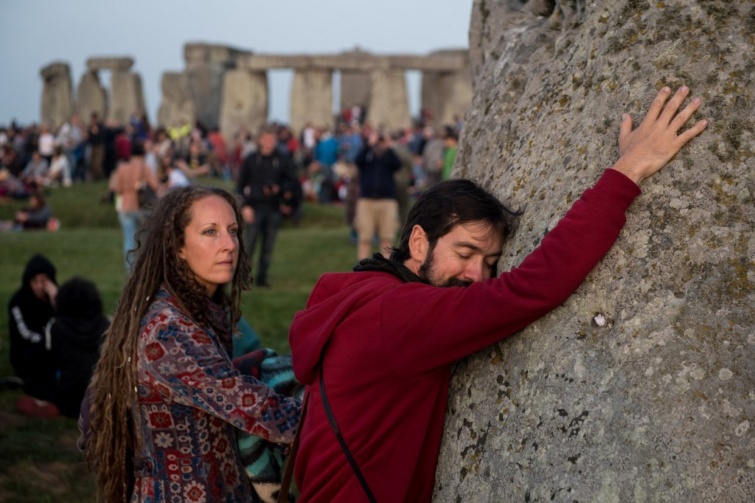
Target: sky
[{"x": 35, "y": 33}]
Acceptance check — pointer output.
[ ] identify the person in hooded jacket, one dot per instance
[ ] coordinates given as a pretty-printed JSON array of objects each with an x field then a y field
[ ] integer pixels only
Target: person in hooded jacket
[
  {"x": 73, "y": 336},
  {"x": 374, "y": 347},
  {"x": 29, "y": 310}
]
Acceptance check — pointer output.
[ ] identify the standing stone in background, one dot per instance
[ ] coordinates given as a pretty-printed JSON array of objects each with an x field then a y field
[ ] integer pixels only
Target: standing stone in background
[
  {"x": 389, "y": 103},
  {"x": 206, "y": 65},
  {"x": 312, "y": 98},
  {"x": 126, "y": 97},
  {"x": 57, "y": 94},
  {"x": 356, "y": 86},
  {"x": 90, "y": 97},
  {"x": 447, "y": 94},
  {"x": 177, "y": 105},
  {"x": 641, "y": 387},
  {"x": 245, "y": 99}
]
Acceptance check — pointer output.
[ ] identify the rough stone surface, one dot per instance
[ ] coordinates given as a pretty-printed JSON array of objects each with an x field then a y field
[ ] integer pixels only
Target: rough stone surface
[
  {"x": 245, "y": 100},
  {"x": 389, "y": 103},
  {"x": 57, "y": 94},
  {"x": 312, "y": 98},
  {"x": 126, "y": 97},
  {"x": 655, "y": 402},
  {"x": 177, "y": 105},
  {"x": 90, "y": 97}
]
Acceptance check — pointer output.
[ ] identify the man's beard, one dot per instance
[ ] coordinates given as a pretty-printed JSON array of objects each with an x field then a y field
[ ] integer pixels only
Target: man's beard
[{"x": 427, "y": 273}]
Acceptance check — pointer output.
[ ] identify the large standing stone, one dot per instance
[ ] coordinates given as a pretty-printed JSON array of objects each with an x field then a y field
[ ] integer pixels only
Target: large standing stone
[
  {"x": 90, "y": 97},
  {"x": 447, "y": 94},
  {"x": 244, "y": 102},
  {"x": 356, "y": 88},
  {"x": 389, "y": 104},
  {"x": 57, "y": 94},
  {"x": 206, "y": 65},
  {"x": 177, "y": 105},
  {"x": 126, "y": 96},
  {"x": 655, "y": 399},
  {"x": 312, "y": 98}
]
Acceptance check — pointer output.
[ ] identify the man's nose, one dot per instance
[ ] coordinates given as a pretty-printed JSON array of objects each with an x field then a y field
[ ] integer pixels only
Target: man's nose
[{"x": 475, "y": 271}]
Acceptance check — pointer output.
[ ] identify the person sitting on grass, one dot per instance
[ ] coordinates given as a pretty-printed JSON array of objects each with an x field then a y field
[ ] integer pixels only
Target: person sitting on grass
[{"x": 29, "y": 310}]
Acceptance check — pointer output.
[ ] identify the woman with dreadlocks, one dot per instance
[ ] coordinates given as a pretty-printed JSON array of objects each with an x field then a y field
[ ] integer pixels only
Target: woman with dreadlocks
[{"x": 166, "y": 399}]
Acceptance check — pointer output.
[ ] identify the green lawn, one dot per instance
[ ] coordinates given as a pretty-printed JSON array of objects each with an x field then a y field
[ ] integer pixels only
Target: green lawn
[{"x": 38, "y": 460}]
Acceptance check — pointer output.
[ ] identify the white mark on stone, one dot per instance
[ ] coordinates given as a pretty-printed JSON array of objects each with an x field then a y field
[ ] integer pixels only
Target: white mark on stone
[
  {"x": 751, "y": 463},
  {"x": 649, "y": 372},
  {"x": 697, "y": 374},
  {"x": 599, "y": 320},
  {"x": 725, "y": 374},
  {"x": 742, "y": 428}
]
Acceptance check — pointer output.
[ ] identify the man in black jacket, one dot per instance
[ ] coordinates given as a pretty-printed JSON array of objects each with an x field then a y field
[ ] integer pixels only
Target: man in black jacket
[{"x": 266, "y": 181}]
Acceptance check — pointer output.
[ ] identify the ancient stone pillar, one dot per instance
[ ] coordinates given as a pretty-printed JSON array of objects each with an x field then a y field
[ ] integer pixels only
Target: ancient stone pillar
[
  {"x": 245, "y": 102},
  {"x": 57, "y": 94},
  {"x": 389, "y": 104},
  {"x": 177, "y": 104},
  {"x": 446, "y": 94},
  {"x": 91, "y": 97},
  {"x": 641, "y": 387},
  {"x": 206, "y": 65},
  {"x": 356, "y": 88},
  {"x": 126, "y": 97},
  {"x": 312, "y": 98}
]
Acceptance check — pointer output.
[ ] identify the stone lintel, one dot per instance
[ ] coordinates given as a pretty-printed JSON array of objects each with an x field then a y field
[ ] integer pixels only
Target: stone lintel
[
  {"x": 200, "y": 53},
  {"x": 116, "y": 64},
  {"x": 355, "y": 62}
]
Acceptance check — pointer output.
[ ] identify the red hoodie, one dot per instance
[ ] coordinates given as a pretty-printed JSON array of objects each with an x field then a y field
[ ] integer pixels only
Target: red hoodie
[{"x": 387, "y": 346}]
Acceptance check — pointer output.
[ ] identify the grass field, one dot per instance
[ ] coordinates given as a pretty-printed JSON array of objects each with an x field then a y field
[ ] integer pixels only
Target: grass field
[{"x": 38, "y": 458}]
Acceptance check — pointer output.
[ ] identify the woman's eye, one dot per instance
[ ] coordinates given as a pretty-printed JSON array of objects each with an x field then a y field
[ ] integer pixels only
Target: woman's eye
[
  {"x": 233, "y": 232},
  {"x": 210, "y": 232}
]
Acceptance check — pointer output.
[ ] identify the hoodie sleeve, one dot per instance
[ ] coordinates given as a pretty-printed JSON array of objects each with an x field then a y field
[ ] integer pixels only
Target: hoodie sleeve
[{"x": 431, "y": 327}]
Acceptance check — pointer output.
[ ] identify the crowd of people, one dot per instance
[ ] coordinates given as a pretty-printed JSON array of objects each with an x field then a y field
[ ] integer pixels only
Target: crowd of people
[{"x": 166, "y": 404}]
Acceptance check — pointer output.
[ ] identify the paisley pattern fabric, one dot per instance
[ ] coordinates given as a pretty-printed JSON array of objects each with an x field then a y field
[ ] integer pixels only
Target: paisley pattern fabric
[{"x": 191, "y": 400}]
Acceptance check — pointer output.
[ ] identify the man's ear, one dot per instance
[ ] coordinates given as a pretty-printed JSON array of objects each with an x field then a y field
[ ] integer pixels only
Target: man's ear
[{"x": 418, "y": 244}]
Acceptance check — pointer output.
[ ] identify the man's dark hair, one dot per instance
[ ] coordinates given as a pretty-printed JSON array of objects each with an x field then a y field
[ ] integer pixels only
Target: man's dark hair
[
  {"x": 137, "y": 148},
  {"x": 450, "y": 203},
  {"x": 79, "y": 298}
]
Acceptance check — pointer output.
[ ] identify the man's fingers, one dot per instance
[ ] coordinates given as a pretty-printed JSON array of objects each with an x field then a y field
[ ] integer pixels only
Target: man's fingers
[
  {"x": 683, "y": 116},
  {"x": 657, "y": 105},
  {"x": 695, "y": 130},
  {"x": 671, "y": 108}
]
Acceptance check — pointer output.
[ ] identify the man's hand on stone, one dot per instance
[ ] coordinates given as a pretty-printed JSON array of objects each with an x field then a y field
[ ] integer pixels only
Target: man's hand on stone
[{"x": 645, "y": 150}]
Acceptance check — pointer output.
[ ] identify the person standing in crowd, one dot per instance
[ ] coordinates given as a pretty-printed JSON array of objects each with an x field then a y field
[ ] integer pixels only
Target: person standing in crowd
[
  {"x": 266, "y": 180},
  {"x": 432, "y": 157},
  {"x": 60, "y": 169},
  {"x": 379, "y": 343},
  {"x": 377, "y": 206},
  {"x": 71, "y": 137},
  {"x": 73, "y": 338},
  {"x": 125, "y": 183},
  {"x": 96, "y": 141},
  {"x": 46, "y": 141},
  {"x": 166, "y": 400},
  {"x": 29, "y": 310},
  {"x": 450, "y": 143}
]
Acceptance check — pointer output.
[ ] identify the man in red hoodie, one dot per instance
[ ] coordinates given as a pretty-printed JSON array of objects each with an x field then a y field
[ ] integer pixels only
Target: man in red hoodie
[{"x": 378, "y": 343}]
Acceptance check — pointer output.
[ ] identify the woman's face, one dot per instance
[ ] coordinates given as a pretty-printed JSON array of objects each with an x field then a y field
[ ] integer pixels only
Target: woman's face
[{"x": 211, "y": 242}]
